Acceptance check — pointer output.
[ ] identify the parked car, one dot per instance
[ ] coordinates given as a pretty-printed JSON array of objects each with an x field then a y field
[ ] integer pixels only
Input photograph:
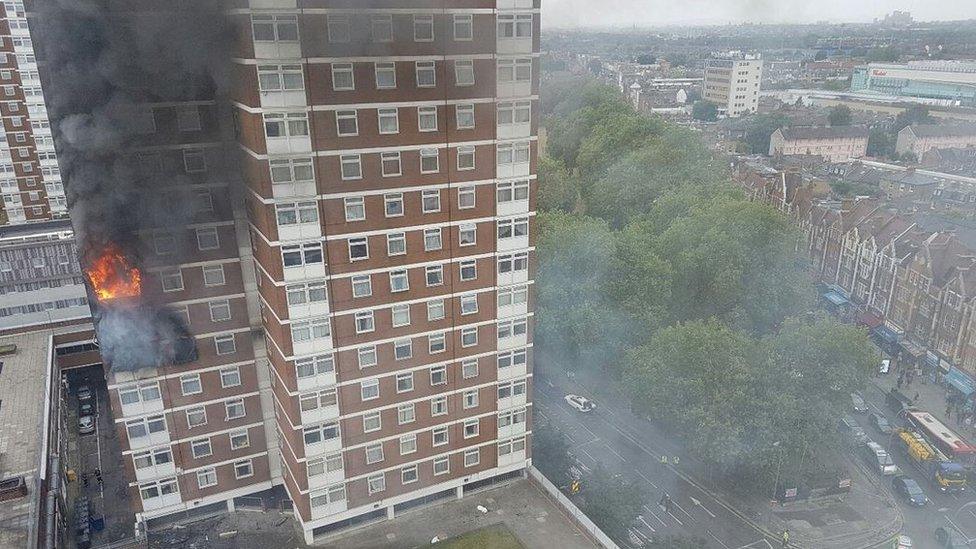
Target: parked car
[
  {"x": 880, "y": 423},
  {"x": 85, "y": 393},
  {"x": 858, "y": 404},
  {"x": 86, "y": 425},
  {"x": 581, "y": 403},
  {"x": 878, "y": 458},
  {"x": 86, "y": 408},
  {"x": 885, "y": 366},
  {"x": 909, "y": 490},
  {"x": 902, "y": 542},
  {"x": 850, "y": 429}
]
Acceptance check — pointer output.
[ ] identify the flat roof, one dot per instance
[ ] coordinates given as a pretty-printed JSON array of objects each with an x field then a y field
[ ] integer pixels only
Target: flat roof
[{"x": 23, "y": 392}]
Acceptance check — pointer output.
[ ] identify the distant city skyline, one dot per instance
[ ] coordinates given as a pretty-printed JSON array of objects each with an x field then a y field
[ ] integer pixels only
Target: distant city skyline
[{"x": 649, "y": 13}]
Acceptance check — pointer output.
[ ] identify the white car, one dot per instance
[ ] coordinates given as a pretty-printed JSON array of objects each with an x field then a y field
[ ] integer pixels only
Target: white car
[{"x": 581, "y": 403}]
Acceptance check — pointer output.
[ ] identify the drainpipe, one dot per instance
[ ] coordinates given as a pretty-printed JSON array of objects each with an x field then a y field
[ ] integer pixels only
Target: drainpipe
[{"x": 52, "y": 497}]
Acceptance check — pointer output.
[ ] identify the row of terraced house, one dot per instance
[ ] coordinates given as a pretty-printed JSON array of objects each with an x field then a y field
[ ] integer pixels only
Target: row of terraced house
[{"x": 914, "y": 288}]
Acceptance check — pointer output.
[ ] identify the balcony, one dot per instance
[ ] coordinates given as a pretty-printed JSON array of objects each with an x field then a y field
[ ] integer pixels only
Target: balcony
[
  {"x": 514, "y": 45},
  {"x": 513, "y": 4},
  {"x": 512, "y": 430},
  {"x": 289, "y": 144},
  {"x": 324, "y": 379},
  {"x": 142, "y": 407},
  {"x": 512, "y": 243},
  {"x": 513, "y": 371},
  {"x": 512, "y": 207},
  {"x": 158, "y": 438},
  {"x": 162, "y": 501},
  {"x": 155, "y": 471},
  {"x": 304, "y": 272},
  {"x": 511, "y": 458},
  {"x": 326, "y": 446},
  {"x": 321, "y": 414},
  {"x": 511, "y": 402},
  {"x": 300, "y": 231}
]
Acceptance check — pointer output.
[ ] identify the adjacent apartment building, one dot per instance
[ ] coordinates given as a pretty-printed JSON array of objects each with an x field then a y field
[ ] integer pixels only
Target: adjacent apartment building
[
  {"x": 732, "y": 82},
  {"x": 921, "y": 139},
  {"x": 834, "y": 144},
  {"x": 30, "y": 181},
  {"x": 362, "y": 304}
]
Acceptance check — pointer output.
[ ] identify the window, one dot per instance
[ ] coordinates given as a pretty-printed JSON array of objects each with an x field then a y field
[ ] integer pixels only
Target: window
[
  {"x": 207, "y": 238},
  {"x": 350, "y": 167},
  {"x": 371, "y": 422},
  {"x": 376, "y": 483},
  {"x": 439, "y": 436},
  {"x": 239, "y": 440},
  {"x": 225, "y": 344},
  {"x": 442, "y": 466},
  {"x": 511, "y": 328},
  {"x": 432, "y": 240},
  {"x": 472, "y": 457},
  {"x": 435, "y": 310},
  {"x": 243, "y": 469},
  {"x": 429, "y": 161},
  {"x": 385, "y": 76},
  {"x": 471, "y": 428},
  {"x": 150, "y": 458},
  {"x": 342, "y": 77},
  {"x": 469, "y": 369},
  {"x": 519, "y": 112},
  {"x": 293, "y": 213},
  {"x": 398, "y": 281},
  {"x": 436, "y": 343},
  {"x": 469, "y": 337},
  {"x": 438, "y": 375},
  {"x": 463, "y": 27},
  {"x": 201, "y": 448},
  {"x": 274, "y": 78},
  {"x": 396, "y": 244},
  {"x": 194, "y": 161},
  {"x": 408, "y": 474},
  {"x": 220, "y": 310},
  {"x": 347, "y": 123},
  {"x": 426, "y": 76},
  {"x": 172, "y": 281},
  {"x": 513, "y": 295},
  {"x": 280, "y": 125},
  {"x": 144, "y": 427},
  {"x": 364, "y": 322},
  {"x": 296, "y": 255},
  {"x": 309, "y": 292},
  {"x": 381, "y": 28},
  {"x": 314, "y": 365},
  {"x": 393, "y": 204},
  {"x": 338, "y": 28},
  {"x": 188, "y": 119},
  {"x": 367, "y": 356},
  {"x": 431, "y": 200},
  {"x": 317, "y": 400},
  {"x": 235, "y": 409},
  {"x": 402, "y": 349},
  {"x": 513, "y": 228},
  {"x": 309, "y": 330},
  {"x": 213, "y": 275},
  {"x": 464, "y": 73},
  {"x": 465, "y": 116},
  {"x": 427, "y": 119},
  {"x": 511, "y": 446},
  {"x": 515, "y": 70},
  {"x": 158, "y": 489},
  {"x": 355, "y": 208},
  {"x": 362, "y": 286},
  {"x": 515, "y": 26},
  {"x": 369, "y": 389},
  {"x": 390, "y": 164},
  {"x": 423, "y": 28},
  {"x": 207, "y": 478},
  {"x": 469, "y": 304},
  {"x": 467, "y": 234},
  {"x": 466, "y": 197},
  {"x": 196, "y": 417},
  {"x": 374, "y": 453},
  {"x": 465, "y": 157},
  {"x": 139, "y": 393},
  {"x": 404, "y": 382},
  {"x": 163, "y": 243},
  {"x": 468, "y": 270},
  {"x": 470, "y": 399},
  {"x": 274, "y": 28},
  {"x": 408, "y": 444},
  {"x": 291, "y": 170},
  {"x": 358, "y": 249},
  {"x": 512, "y": 153},
  {"x": 401, "y": 315},
  {"x": 328, "y": 496},
  {"x": 320, "y": 466},
  {"x": 389, "y": 121},
  {"x": 406, "y": 413},
  {"x": 190, "y": 384},
  {"x": 512, "y": 191},
  {"x": 320, "y": 433}
]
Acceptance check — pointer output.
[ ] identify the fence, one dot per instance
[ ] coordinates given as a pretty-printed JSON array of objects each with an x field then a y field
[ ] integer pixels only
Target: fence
[{"x": 574, "y": 512}]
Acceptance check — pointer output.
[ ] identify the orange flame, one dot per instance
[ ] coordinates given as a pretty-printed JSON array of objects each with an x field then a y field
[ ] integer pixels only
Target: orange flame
[{"x": 112, "y": 275}]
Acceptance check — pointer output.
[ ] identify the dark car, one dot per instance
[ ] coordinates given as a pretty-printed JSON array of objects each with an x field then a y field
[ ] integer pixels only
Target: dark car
[
  {"x": 850, "y": 429},
  {"x": 84, "y": 393},
  {"x": 86, "y": 408},
  {"x": 909, "y": 490},
  {"x": 880, "y": 423}
]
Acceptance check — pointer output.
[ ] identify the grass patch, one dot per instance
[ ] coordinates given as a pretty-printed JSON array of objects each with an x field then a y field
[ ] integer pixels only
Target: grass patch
[{"x": 497, "y": 536}]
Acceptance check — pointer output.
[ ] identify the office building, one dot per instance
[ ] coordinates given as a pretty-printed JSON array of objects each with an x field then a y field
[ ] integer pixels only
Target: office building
[
  {"x": 732, "y": 82},
  {"x": 949, "y": 82},
  {"x": 30, "y": 181}
]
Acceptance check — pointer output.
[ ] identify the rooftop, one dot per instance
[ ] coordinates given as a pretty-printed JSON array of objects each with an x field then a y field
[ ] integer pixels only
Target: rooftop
[
  {"x": 824, "y": 132},
  {"x": 23, "y": 386},
  {"x": 933, "y": 130}
]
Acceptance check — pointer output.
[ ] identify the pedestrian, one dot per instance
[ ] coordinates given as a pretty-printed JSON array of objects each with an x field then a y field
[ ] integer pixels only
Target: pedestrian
[
  {"x": 915, "y": 400},
  {"x": 901, "y": 380},
  {"x": 786, "y": 538},
  {"x": 948, "y": 412}
]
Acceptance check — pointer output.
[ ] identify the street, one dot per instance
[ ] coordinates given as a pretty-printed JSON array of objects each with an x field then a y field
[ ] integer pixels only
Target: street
[{"x": 624, "y": 445}]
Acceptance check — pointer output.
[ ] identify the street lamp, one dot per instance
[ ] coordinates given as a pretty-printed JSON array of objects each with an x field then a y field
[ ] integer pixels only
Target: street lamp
[{"x": 779, "y": 464}]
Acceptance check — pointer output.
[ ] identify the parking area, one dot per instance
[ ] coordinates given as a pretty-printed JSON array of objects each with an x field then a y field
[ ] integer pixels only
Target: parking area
[{"x": 98, "y": 497}]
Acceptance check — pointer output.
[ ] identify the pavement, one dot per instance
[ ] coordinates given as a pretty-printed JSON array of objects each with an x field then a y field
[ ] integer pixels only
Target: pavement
[
  {"x": 520, "y": 505},
  {"x": 630, "y": 445}
]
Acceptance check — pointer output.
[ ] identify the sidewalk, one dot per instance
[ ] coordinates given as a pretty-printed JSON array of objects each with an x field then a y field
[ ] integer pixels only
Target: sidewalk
[{"x": 931, "y": 398}]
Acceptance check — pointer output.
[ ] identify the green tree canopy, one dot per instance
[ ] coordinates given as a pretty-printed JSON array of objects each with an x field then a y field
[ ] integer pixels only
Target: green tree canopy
[
  {"x": 840, "y": 116},
  {"x": 705, "y": 111},
  {"x": 611, "y": 502}
]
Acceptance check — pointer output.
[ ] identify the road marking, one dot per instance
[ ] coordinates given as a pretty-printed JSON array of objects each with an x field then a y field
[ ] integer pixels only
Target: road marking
[
  {"x": 648, "y": 509},
  {"x": 698, "y": 503},
  {"x": 651, "y": 482},
  {"x": 676, "y": 518},
  {"x": 714, "y": 537},
  {"x": 589, "y": 455},
  {"x": 682, "y": 510},
  {"x": 753, "y": 544},
  {"x": 649, "y": 527},
  {"x": 615, "y": 453},
  {"x": 587, "y": 442}
]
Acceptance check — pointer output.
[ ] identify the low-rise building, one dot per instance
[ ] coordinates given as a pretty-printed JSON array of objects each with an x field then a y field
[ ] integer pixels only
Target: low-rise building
[
  {"x": 834, "y": 144},
  {"x": 920, "y": 139}
]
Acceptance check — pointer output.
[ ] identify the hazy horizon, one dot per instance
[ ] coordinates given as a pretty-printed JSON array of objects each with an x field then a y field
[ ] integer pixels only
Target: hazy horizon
[{"x": 650, "y": 13}]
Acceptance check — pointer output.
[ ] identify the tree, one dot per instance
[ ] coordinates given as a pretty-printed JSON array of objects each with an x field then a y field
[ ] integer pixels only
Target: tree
[
  {"x": 550, "y": 452},
  {"x": 610, "y": 502},
  {"x": 705, "y": 111},
  {"x": 913, "y": 115},
  {"x": 646, "y": 59},
  {"x": 840, "y": 116},
  {"x": 886, "y": 54},
  {"x": 880, "y": 143},
  {"x": 559, "y": 188},
  {"x": 760, "y": 128},
  {"x": 820, "y": 56}
]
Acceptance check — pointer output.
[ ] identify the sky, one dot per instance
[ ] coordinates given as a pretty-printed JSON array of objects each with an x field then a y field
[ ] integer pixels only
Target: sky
[{"x": 604, "y": 13}]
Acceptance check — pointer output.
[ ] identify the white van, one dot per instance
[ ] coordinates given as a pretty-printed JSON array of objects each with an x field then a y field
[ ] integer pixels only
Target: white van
[{"x": 878, "y": 458}]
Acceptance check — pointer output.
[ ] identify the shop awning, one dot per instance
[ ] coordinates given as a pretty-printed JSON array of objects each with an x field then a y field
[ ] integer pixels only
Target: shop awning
[
  {"x": 961, "y": 381},
  {"x": 870, "y": 320},
  {"x": 912, "y": 348},
  {"x": 886, "y": 334},
  {"x": 835, "y": 298}
]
